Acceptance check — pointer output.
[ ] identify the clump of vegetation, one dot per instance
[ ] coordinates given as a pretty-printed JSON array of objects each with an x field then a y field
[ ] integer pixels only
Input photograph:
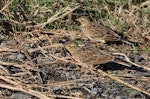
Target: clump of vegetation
[{"x": 34, "y": 61}]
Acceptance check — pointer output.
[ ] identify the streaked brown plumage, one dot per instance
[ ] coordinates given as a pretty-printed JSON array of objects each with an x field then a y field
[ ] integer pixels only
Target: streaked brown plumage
[
  {"x": 97, "y": 32},
  {"x": 88, "y": 56}
]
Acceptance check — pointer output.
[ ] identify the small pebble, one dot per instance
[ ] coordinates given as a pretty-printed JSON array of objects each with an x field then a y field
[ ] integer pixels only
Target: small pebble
[
  {"x": 21, "y": 95},
  {"x": 94, "y": 91},
  {"x": 133, "y": 82},
  {"x": 73, "y": 77},
  {"x": 56, "y": 87},
  {"x": 3, "y": 44},
  {"x": 67, "y": 74},
  {"x": 111, "y": 96},
  {"x": 12, "y": 43},
  {"x": 121, "y": 97},
  {"x": 2, "y": 36},
  {"x": 88, "y": 96},
  {"x": 20, "y": 56},
  {"x": 140, "y": 59},
  {"x": 104, "y": 95}
]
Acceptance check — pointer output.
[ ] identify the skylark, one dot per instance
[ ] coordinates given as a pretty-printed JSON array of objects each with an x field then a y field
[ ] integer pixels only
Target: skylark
[
  {"x": 97, "y": 32},
  {"x": 88, "y": 56}
]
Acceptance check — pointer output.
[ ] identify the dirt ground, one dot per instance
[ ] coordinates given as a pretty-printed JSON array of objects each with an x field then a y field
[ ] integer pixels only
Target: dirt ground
[{"x": 34, "y": 62}]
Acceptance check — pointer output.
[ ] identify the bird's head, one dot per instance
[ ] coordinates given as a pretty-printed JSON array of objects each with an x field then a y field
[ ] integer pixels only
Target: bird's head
[{"x": 83, "y": 20}]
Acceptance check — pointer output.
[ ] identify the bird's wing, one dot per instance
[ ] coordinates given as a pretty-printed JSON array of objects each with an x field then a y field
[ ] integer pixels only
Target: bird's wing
[
  {"x": 93, "y": 56},
  {"x": 100, "y": 31}
]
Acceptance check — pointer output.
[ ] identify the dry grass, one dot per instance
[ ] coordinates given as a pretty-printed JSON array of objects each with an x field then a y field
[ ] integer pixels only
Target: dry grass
[{"x": 33, "y": 58}]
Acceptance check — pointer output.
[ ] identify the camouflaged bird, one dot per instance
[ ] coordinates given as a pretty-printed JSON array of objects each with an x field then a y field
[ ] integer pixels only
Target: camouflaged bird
[
  {"x": 97, "y": 32},
  {"x": 88, "y": 56}
]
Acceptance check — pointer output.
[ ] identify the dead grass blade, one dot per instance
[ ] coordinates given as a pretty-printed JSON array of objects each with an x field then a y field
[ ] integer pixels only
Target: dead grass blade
[
  {"x": 24, "y": 89},
  {"x": 128, "y": 60},
  {"x": 125, "y": 83},
  {"x": 6, "y": 6},
  {"x": 62, "y": 13}
]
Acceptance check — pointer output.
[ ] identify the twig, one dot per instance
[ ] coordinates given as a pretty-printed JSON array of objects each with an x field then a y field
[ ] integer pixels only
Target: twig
[
  {"x": 28, "y": 91},
  {"x": 8, "y": 80},
  {"x": 125, "y": 83},
  {"x": 58, "y": 15},
  {"x": 44, "y": 47},
  {"x": 22, "y": 66},
  {"x": 8, "y": 50},
  {"x": 128, "y": 60},
  {"x": 6, "y": 6}
]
